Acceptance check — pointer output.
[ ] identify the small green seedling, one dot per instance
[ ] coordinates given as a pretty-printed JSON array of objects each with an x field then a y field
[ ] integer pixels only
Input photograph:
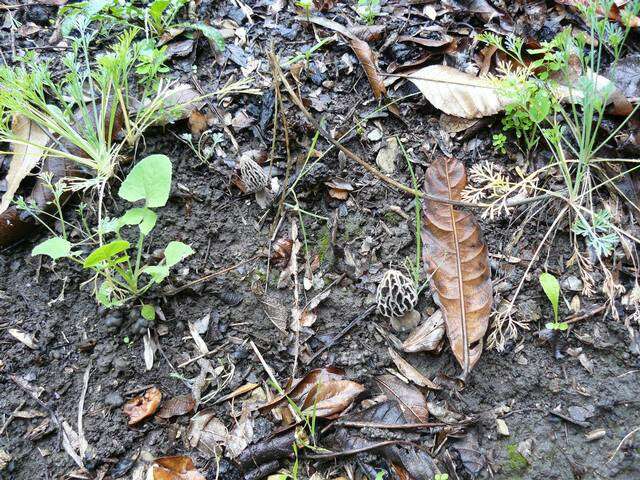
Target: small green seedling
[
  {"x": 380, "y": 475},
  {"x": 551, "y": 289},
  {"x": 149, "y": 180},
  {"x": 368, "y": 10},
  {"x": 441, "y": 476},
  {"x": 305, "y": 5}
]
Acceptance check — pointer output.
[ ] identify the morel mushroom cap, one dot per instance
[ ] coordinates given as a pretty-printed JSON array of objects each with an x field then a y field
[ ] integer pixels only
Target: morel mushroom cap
[
  {"x": 396, "y": 294},
  {"x": 253, "y": 176}
]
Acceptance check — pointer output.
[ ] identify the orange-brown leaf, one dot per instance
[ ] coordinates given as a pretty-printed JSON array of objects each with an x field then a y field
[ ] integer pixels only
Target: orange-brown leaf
[
  {"x": 140, "y": 408},
  {"x": 365, "y": 55},
  {"x": 458, "y": 262},
  {"x": 175, "y": 468}
]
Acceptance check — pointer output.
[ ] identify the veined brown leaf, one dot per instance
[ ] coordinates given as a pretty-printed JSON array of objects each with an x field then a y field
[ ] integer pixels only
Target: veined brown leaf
[
  {"x": 458, "y": 93},
  {"x": 367, "y": 60},
  {"x": 411, "y": 400},
  {"x": 458, "y": 262}
]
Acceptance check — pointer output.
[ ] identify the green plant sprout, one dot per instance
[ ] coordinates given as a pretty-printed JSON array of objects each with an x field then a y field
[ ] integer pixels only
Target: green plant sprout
[
  {"x": 415, "y": 267},
  {"x": 305, "y": 5},
  {"x": 499, "y": 142},
  {"x": 558, "y": 93},
  {"x": 551, "y": 289},
  {"x": 441, "y": 476},
  {"x": 600, "y": 234},
  {"x": 368, "y": 10},
  {"x": 156, "y": 18},
  {"x": 120, "y": 274},
  {"x": 151, "y": 63}
]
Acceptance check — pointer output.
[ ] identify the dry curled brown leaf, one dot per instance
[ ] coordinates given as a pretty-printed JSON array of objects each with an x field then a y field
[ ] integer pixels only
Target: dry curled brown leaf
[
  {"x": 458, "y": 262},
  {"x": 142, "y": 407},
  {"x": 331, "y": 398},
  {"x": 176, "y": 467},
  {"x": 367, "y": 60},
  {"x": 411, "y": 400}
]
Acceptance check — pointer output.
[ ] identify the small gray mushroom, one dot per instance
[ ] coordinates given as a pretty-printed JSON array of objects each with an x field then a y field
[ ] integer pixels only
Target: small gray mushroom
[
  {"x": 396, "y": 294},
  {"x": 253, "y": 176}
]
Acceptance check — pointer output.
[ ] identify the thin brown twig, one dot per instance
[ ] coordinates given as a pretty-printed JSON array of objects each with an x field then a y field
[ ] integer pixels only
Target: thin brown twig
[{"x": 175, "y": 290}]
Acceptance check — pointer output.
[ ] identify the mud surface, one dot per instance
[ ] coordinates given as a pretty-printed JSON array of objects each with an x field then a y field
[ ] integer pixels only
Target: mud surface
[{"x": 550, "y": 405}]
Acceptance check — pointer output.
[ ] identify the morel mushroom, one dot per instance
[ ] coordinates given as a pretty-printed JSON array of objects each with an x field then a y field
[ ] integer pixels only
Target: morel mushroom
[
  {"x": 252, "y": 175},
  {"x": 396, "y": 294}
]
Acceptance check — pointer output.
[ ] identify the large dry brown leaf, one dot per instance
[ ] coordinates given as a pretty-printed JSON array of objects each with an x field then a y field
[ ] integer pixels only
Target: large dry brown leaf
[
  {"x": 458, "y": 262},
  {"x": 458, "y": 93},
  {"x": 410, "y": 399},
  {"x": 175, "y": 468},
  {"x": 25, "y": 157}
]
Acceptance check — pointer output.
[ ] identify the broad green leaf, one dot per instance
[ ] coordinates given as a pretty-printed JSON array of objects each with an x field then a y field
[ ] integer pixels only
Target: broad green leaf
[
  {"x": 149, "y": 180},
  {"x": 175, "y": 252},
  {"x": 158, "y": 272},
  {"x": 141, "y": 216},
  {"x": 157, "y": 8},
  {"x": 56, "y": 247},
  {"x": 551, "y": 288},
  {"x": 105, "y": 252},
  {"x": 211, "y": 33},
  {"x": 148, "y": 312}
]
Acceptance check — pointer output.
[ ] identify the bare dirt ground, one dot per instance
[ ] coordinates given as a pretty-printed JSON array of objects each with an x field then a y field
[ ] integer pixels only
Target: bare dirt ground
[{"x": 567, "y": 404}]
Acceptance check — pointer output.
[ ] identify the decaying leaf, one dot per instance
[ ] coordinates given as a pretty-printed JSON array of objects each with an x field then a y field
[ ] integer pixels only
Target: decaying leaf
[
  {"x": 615, "y": 13},
  {"x": 177, "y": 467},
  {"x": 410, "y": 399},
  {"x": 23, "y": 337},
  {"x": 331, "y": 398},
  {"x": 142, "y": 407},
  {"x": 180, "y": 405},
  {"x": 367, "y": 60},
  {"x": 427, "y": 336},
  {"x": 179, "y": 102},
  {"x": 298, "y": 389},
  {"x": 207, "y": 433},
  {"x": 363, "y": 52},
  {"x": 458, "y": 262},
  {"x": 241, "y": 435},
  {"x": 339, "y": 189},
  {"x": 25, "y": 156},
  {"x": 410, "y": 372},
  {"x": 458, "y": 93}
]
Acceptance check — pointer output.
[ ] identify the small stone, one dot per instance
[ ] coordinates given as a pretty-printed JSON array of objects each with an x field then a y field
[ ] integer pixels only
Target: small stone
[
  {"x": 375, "y": 135},
  {"x": 572, "y": 283},
  {"x": 388, "y": 156},
  {"x": 113, "y": 320},
  {"x": 407, "y": 322},
  {"x": 120, "y": 364},
  {"x": 113, "y": 399},
  {"x": 140, "y": 326},
  {"x": 596, "y": 434},
  {"x": 502, "y": 427}
]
